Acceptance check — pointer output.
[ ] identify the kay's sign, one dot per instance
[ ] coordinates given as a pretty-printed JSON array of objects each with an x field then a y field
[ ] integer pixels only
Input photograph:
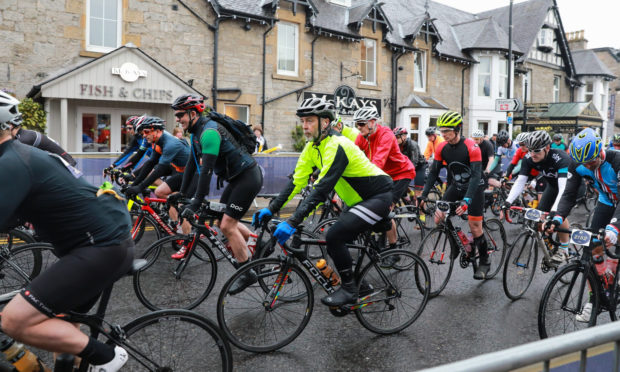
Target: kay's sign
[{"x": 345, "y": 100}]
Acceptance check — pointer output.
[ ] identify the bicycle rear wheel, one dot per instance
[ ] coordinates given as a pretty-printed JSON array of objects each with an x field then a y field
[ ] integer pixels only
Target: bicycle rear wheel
[
  {"x": 561, "y": 303},
  {"x": 409, "y": 228},
  {"x": 144, "y": 232},
  {"x": 176, "y": 340},
  {"x": 23, "y": 264},
  {"x": 399, "y": 296},
  {"x": 166, "y": 283},
  {"x": 435, "y": 251},
  {"x": 14, "y": 238},
  {"x": 496, "y": 245},
  {"x": 520, "y": 266},
  {"x": 256, "y": 321}
]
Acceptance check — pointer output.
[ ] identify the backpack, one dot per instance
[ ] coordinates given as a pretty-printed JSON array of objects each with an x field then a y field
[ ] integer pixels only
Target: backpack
[{"x": 241, "y": 132}]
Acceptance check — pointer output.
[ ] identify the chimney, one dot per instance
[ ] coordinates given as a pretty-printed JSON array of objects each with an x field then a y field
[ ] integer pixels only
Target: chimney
[{"x": 576, "y": 40}]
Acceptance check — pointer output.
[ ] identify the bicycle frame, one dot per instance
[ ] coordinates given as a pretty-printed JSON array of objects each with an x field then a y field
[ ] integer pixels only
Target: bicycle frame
[{"x": 146, "y": 207}]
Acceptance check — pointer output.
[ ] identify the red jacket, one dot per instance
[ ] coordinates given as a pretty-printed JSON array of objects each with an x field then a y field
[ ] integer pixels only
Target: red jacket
[{"x": 383, "y": 151}]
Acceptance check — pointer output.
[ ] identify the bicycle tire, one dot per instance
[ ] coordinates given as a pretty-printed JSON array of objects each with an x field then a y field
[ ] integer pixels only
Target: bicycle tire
[
  {"x": 157, "y": 285},
  {"x": 551, "y": 312},
  {"x": 144, "y": 232},
  {"x": 244, "y": 317},
  {"x": 520, "y": 266},
  {"x": 14, "y": 238},
  {"x": 23, "y": 264},
  {"x": 386, "y": 310},
  {"x": 176, "y": 340},
  {"x": 409, "y": 228},
  {"x": 496, "y": 245},
  {"x": 437, "y": 243}
]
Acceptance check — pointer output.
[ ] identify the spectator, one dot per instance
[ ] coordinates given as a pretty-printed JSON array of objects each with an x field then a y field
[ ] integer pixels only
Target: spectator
[
  {"x": 262, "y": 142},
  {"x": 178, "y": 132}
]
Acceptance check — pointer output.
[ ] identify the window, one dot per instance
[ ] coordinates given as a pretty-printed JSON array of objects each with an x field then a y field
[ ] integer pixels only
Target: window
[
  {"x": 96, "y": 132},
  {"x": 414, "y": 128},
  {"x": 502, "y": 125},
  {"x": 368, "y": 59},
  {"x": 287, "y": 48},
  {"x": 556, "y": 89},
  {"x": 589, "y": 91},
  {"x": 104, "y": 25},
  {"x": 484, "y": 77},
  {"x": 419, "y": 71},
  {"x": 238, "y": 112},
  {"x": 527, "y": 86},
  {"x": 545, "y": 40},
  {"x": 483, "y": 126},
  {"x": 503, "y": 77},
  {"x": 603, "y": 99}
]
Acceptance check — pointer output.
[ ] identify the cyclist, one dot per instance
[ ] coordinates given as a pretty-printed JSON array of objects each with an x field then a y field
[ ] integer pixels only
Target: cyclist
[
  {"x": 553, "y": 166},
  {"x": 506, "y": 148},
  {"x": 365, "y": 188},
  {"x": 31, "y": 137},
  {"x": 537, "y": 181},
  {"x": 138, "y": 146},
  {"x": 464, "y": 162},
  {"x": 558, "y": 142},
  {"x": 379, "y": 145},
  {"x": 486, "y": 151},
  {"x": 214, "y": 150},
  {"x": 347, "y": 131},
  {"x": 411, "y": 150},
  {"x": 90, "y": 235},
  {"x": 615, "y": 142},
  {"x": 433, "y": 141}
]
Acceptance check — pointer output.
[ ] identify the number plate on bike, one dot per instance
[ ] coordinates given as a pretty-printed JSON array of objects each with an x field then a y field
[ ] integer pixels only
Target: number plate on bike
[
  {"x": 580, "y": 237},
  {"x": 532, "y": 214},
  {"x": 443, "y": 206}
]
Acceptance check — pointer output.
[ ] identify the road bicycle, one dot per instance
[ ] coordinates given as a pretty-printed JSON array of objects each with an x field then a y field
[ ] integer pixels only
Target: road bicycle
[
  {"x": 573, "y": 286},
  {"x": 271, "y": 313},
  {"x": 16, "y": 237},
  {"x": 165, "y": 340},
  {"x": 21, "y": 264},
  {"x": 445, "y": 243}
]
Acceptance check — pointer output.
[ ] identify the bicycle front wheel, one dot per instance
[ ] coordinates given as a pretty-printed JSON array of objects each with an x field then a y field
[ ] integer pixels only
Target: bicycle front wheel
[
  {"x": 435, "y": 251},
  {"x": 496, "y": 245},
  {"x": 176, "y": 340},
  {"x": 23, "y": 264},
  {"x": 144, "y": 232},
  {"x": 14, "y": 238},
  {"x": 259, "y": 321},
  {"x": 409, "y": 228},
  {"x": 166, "y": 283},
  {"x": 561, "y": 305},
  {"x": 399, "y": 295},
  {"x": 520, "y": 266}
]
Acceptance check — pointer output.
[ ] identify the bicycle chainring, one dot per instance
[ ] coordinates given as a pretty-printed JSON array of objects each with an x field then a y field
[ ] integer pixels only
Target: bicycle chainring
[
  {"x": 464, "y": 260},
  {"x": 338, "y": 312}
]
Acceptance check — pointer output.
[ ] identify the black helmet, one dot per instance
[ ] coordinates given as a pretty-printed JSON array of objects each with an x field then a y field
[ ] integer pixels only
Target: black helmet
[
  {"x": 502, "y": 137},
  {"x": 153, "y": 122},
  {"x": 430, "y": 130},
  {"x": 316, "y": 106},
  {"x": 557, "y": 137},
  {"x": 188, "y": 102}
]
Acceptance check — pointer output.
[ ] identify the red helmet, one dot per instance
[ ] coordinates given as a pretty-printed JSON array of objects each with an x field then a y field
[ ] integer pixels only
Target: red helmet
[
  {"x": 189, "y": 102},
  {"x": 399, "y": 131}
]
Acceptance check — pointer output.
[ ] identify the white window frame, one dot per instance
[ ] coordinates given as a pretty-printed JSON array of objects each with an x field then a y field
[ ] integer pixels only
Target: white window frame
[
  {"x": 247, "y": 118},
  {"x": 545, "y": 37},
  {"x": 119, "y": 29},
  {"x": 295, "y": 28},
  {"x": 115, "y": 124},
  {"x": 590, "y": 93},
  {"x": 364, "y": 63},
  {"x": 503, "y": 78},
  {"x": 422, "y": 59},
  {"x": 480, "y": 75},
  {"x": 556, "y": 88},
  {"x": 602, "y": 102}
]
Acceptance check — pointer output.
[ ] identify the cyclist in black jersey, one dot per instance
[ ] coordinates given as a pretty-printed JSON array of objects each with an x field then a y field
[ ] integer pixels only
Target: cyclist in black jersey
[
  {"x": 486, "y": 151},
  {"x": 464, "y": 162},
  {"x": 90, "y": 235}
]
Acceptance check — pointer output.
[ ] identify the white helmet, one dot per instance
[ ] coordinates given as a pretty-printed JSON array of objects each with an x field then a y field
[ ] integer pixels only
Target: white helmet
[
  {"x": 521, "y": 137},
  {"x": 366, "y": 113},
  {"x": 478, "y": 133},
  {"x": 9, "y": 113}
]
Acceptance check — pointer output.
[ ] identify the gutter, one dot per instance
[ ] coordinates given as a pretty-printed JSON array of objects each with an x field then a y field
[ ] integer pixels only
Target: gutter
[
  {"x": 262, "y": 115},
  {"x": 393, "y": 96}
]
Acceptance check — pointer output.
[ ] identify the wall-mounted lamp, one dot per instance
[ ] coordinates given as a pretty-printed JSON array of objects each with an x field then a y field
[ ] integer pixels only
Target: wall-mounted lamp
[{"x": 247, "y": 26}]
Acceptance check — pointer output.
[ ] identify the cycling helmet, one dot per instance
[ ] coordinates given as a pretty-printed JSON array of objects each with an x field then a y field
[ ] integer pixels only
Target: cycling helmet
[
  {"x": 586, "y": 146},
  {"x": 189, "y": 102},
  {"x": 502, "y": 137},
  {"x": 430, "y": 131},
  {"x": 521, "y": 137},
  {"x": 399, "y": 131},
  {"x": 130, "y": 120},
  {"x": 316, "y": 106},
  {"x": 151, "y": 122},
  {"x": 9, "y": 113},
  {"x": 478, "y": 133},
  {"x": 537, "y": 140},
  {"x": 616, "y": 139},
  {"x": 557, "y": 137},
  {"x": 366, "y": 113},
  {"x": 450, "y": 119}
]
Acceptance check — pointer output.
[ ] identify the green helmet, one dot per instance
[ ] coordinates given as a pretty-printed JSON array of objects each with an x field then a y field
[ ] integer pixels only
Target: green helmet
[{"x": 450, "y": 119}]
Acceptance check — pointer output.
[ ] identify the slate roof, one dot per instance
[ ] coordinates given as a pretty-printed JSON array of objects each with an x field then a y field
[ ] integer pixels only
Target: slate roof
[
  {"x": 587, "y": 63},
  {"x": 483, "y": 33},
  {"x": 250, "y": 8},
  {"x": 415, "y": 101}
]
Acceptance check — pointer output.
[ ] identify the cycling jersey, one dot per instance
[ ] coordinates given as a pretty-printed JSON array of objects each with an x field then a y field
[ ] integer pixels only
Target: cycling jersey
[
  {"x": 431, "y": 146},
  {"x": 465, "y": 154},
  {"x": 343, "y": 168},
  {"x": 169, "y": 154},
  {"x": 382, "y": 149},
  {"x": 64, "y": 210},
  {"x": 486, "y": 151},
  {"x": 43, "y": 142},
  {"x": 605, "y": 179},
  {"x": 411, "y": 150},
  {"x": 515, "y": 165},
  {"x": 507, "y": 152},
  {"x": 140, "y": 146},
  {"x": 350, "y": 133},
  {"x": 560, "y": 146}
]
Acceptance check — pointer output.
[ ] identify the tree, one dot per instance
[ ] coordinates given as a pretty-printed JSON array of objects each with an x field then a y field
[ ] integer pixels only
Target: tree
[
  {"x": 299, "y": 141},
  {"x": 33, "y": 115}
]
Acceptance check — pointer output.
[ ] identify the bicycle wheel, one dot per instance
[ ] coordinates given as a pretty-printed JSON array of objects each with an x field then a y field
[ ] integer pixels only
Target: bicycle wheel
[
  {"x": 175, "y": 340},
  {"x": 144, "y": 232},
  {"x": 496, "y": 244},
  {"x": 166, "y": 283},
  {"x": 14, "y": 238},
  {"x": 435, "y": 252},
  {"x": 260, "y": 322},
  {"x": 409, "y": 228},
  {"x": 590, "y": 198},
  {"x": 399, "y": 296},
  {"x": 520, "y": 266},
  {"x": 23, "y": 264},
  {"x": 560, "y": 303}
]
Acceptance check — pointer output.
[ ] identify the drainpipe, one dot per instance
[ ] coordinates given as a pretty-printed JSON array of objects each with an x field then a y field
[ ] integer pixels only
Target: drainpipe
[
  {"x": 216, "y": 34},
  {"x": 395, "y": 57},
  {"x": 262, "y": 115},
  {"x": 463, "y": 89}
]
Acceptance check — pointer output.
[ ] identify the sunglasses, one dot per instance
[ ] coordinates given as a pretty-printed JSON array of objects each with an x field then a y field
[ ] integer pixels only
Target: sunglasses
[
  {"x": 445, "y": 130},
  {"x": 128, "y": 128},
  {"x": 361, "y": 123},
  {"x": 179, "y": 114},
  {"x": 537, "y": 150},
  {"x": 147, "y": 130}
]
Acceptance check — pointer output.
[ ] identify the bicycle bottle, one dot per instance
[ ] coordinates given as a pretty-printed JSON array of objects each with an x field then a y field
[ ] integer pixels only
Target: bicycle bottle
[
  {"x": 327, "y": 271},
  {"x": 464, "y": 239},
  {"x": 20, "y": 357}
]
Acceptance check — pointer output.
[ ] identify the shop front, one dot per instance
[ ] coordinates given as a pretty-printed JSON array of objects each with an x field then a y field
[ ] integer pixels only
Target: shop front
[{"x": 564, "y": 117}]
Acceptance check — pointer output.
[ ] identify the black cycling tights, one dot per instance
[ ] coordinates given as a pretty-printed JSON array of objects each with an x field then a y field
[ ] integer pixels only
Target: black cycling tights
[{"x": 351, "y": 223}]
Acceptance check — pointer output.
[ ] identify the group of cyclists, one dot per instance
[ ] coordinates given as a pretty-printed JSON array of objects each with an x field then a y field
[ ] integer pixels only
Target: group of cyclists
[{"x": 369, "y": 166}]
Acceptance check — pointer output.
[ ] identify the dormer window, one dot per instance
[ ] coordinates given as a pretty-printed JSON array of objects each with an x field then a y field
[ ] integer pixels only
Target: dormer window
[
  {"x": 341, "y": 2},
  {"x": 545, "y": 40}
]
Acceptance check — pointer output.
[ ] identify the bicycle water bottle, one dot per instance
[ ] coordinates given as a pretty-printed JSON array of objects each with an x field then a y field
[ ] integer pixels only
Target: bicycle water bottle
[
  {"x": 327, "y": 271},
  {"x": 252, "y": 244},
  {"x": 21, "y": 358},
  {"x": 464, "y": 239}
]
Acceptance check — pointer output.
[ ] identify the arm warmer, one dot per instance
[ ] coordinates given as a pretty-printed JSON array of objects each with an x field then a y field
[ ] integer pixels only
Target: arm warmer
[{"x": 517, "y": 188}]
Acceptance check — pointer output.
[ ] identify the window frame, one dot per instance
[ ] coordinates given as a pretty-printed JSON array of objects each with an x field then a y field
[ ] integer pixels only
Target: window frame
[
  {"x": 247, "y": 107},
  {"x": 502, "y": 86},
  {"x": 364, "y": 63},
  {"x": 480, "y": 74},
  {"x": 556, "y": 88},
  {"x": 590, "y": 93},
  {"x": 422, "y": 55},
  {"x": 295, "y": 27},
  {"x": 119, "y": 29}
]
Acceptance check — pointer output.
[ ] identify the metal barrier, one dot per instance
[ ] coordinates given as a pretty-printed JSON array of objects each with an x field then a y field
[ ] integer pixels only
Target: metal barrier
[{"x": 542, "y": 351}]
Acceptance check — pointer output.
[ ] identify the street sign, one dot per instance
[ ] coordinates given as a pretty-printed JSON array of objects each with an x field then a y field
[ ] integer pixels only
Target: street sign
[
  {"x": 509, "y": 118},
  {"x": 507, "y": 105}
]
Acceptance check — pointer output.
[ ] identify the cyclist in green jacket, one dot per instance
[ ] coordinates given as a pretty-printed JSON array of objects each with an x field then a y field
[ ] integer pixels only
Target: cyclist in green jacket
[{"x": 361, "y": 185}]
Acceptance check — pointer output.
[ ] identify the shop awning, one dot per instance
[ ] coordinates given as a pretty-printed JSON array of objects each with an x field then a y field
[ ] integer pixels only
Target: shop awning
[{"x": 566, "y": 117}]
